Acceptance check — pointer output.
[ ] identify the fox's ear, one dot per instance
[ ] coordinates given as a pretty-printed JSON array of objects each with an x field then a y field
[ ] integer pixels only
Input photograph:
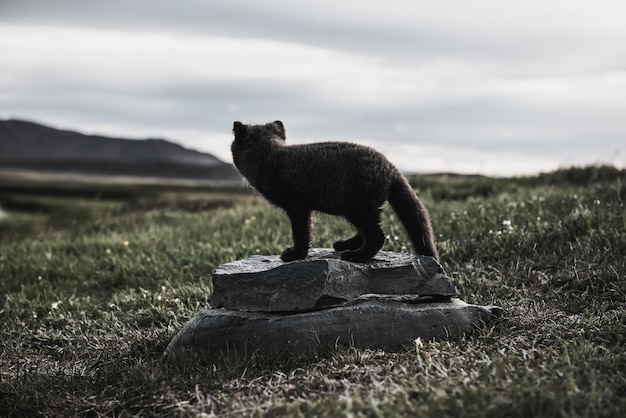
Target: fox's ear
[
  {"x": 239, "y": 129},
  {"x": 281, "y": 128}
]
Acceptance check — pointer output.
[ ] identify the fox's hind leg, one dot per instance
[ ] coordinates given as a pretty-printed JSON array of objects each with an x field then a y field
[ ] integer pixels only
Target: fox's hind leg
[
  {"x": 367, "y": 223},
  {"x": 353, "y": 243}
]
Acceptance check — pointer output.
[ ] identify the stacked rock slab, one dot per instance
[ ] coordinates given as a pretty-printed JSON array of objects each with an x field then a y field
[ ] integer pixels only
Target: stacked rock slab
[{"x": 300, "y": 307}]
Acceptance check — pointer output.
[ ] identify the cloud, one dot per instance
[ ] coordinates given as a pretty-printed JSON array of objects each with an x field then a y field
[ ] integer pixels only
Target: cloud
[{"x": 467, "y": 84}]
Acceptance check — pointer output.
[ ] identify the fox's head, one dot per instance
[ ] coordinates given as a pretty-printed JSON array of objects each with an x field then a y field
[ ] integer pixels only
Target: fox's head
[{"x": 248, "y": 135}]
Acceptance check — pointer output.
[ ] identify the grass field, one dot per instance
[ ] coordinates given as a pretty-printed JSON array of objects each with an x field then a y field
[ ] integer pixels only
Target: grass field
[{"x": 95, "y": 285}]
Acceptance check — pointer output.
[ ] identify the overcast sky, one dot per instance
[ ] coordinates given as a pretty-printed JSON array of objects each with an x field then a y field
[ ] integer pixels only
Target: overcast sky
[{"x": 490, "y": 87}]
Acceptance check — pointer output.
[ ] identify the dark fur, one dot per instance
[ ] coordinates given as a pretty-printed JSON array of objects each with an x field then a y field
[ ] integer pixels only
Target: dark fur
[{"x": 339, "y": 178}]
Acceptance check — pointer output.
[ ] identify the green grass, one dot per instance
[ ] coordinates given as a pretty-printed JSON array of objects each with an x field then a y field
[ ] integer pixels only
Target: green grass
[{"x": 91, "y": 299}]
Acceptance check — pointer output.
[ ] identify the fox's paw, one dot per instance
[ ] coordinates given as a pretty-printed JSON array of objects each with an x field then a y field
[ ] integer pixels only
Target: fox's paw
[
  {"x": 290, "y": 254},
  {"x": 353, "y": 243}
]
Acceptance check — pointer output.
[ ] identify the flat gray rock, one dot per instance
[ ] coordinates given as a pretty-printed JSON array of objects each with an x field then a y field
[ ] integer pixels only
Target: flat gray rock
[
  {"x": 264, "y": 304},
  {"x": 267, "y": 284},
  {"x": 373, "y": 321}
]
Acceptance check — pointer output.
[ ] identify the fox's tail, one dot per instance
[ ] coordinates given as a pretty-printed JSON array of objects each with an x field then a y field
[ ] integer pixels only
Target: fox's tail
[{"x": 413, "y": 216}]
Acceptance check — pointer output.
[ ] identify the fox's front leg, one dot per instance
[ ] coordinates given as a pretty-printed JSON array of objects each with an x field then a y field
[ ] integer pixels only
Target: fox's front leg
[{"x": 301, "y": 233}]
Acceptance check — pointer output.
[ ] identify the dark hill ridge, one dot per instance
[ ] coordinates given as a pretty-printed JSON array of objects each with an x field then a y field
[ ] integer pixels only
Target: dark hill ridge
[{"x": 31, "y": 146}]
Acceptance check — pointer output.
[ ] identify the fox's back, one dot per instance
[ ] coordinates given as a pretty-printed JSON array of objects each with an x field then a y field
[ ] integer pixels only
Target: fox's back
[{"x": 329, "y": 176}]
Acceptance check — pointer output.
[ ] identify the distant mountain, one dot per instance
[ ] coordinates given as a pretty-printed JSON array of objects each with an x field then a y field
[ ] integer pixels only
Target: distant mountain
[{"x": 31, "y": 146}]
